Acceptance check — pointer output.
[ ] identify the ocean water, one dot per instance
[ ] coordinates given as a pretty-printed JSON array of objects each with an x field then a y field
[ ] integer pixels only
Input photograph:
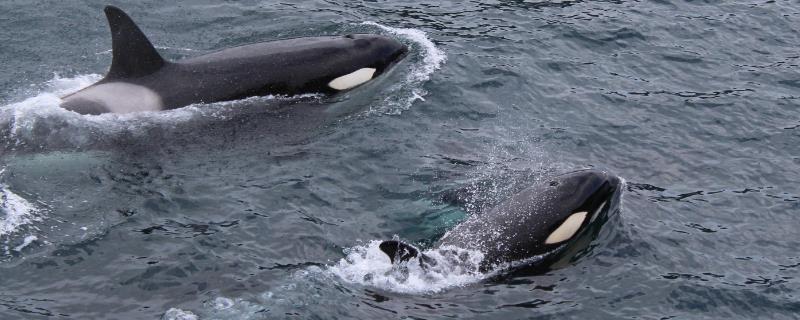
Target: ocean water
[{"x": 272, "y": 207}]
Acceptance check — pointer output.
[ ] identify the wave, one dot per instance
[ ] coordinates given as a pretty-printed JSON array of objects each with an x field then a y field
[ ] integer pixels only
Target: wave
[
  {"x": 17, "y": 211},
  {"x": 430, "y": 59}
]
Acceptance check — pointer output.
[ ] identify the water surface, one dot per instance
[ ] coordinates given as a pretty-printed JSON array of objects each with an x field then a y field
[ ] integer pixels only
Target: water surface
[{"x": 269, "y": 207}]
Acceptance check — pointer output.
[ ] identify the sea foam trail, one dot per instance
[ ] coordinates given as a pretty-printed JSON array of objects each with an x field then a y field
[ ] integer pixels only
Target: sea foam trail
[{"x": 431, "y": 59}]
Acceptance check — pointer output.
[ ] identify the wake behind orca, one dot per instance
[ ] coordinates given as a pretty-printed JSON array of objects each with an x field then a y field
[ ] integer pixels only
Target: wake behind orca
[
  {"x": 141, "y": 80},
  {"x": 534, "y": 229}
]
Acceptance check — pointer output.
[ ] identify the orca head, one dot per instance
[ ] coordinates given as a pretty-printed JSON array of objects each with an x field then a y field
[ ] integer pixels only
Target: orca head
[
  {"x": 375, "y": 55},
  {"x": 554, "y": 214},
  {"x": 559, "y": 218},
  {"x": 384, "y": 51},
  {"x": 577, "y": 201}
]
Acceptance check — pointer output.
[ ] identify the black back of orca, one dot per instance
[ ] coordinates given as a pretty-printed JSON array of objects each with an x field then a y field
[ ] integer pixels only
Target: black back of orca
[
  {"x": 542, "y": 222},
  {"x": 139, "y": 79}
]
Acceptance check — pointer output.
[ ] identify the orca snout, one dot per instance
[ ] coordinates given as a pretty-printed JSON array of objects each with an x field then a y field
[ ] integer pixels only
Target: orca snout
[
  {"x": 386, "y": 50},
  {"x": 589, "y": 190},
  {"x": 608, "y": 188},
  {"x": 614, "y": 183},
  {"x": 606, "y": 184}
]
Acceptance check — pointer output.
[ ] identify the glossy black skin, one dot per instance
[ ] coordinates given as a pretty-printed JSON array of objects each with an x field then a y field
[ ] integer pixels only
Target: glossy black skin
[
  {"x": 293, "y": 66},
  {"x": 287, "y": 67},
  {"x": 516, "y": 229}
]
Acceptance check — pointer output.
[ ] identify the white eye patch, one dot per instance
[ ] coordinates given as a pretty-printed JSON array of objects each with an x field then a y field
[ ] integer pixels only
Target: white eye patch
[
  {"x": 567, "y": 229},
  {"x": 352, "y": 79}
]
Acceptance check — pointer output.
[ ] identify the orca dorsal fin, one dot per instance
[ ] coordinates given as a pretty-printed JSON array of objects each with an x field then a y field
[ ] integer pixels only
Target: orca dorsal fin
[
  {"x": 398, "y": 250},
  {"x": 132, "y": 53}
]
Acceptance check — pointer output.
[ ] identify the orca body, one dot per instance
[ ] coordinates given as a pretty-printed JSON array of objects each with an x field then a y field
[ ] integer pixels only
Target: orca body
[
  {"x": 535, "y": 228},
  {"x": 141, "y": 80}
]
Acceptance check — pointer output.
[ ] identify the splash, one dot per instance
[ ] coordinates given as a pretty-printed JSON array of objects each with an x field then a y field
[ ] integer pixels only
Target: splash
[
  {"x": 368, "y": 265},
  {"x": 17, "y": 211},
  {"x": 15, "y": 214},
  {"x": 431, "y": 58}
]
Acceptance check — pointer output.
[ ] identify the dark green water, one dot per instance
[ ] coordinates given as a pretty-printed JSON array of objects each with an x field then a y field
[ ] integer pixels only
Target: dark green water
[{"x": 247, "y": 210}]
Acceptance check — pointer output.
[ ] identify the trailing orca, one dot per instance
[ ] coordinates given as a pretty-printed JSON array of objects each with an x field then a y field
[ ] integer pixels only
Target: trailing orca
[
  {"x": 535, "y": 228},
  {"x": 141, "y": 80}
]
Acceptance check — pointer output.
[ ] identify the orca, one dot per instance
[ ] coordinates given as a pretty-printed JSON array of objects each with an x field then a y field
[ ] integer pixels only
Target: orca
[
  {"x": 534, "y": 229},
  {"x": 139, "y": 79}
]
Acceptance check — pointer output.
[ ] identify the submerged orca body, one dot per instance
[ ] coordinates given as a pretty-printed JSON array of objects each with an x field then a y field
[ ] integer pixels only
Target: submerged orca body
[
  {"x": 534, "y": 228},
  {"x": 141, "y": 80}
]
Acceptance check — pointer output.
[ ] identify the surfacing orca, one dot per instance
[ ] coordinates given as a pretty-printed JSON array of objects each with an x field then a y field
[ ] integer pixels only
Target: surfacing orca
[
  {"x": 141, "y": 80},
  {"x": 535, "y": 228}
]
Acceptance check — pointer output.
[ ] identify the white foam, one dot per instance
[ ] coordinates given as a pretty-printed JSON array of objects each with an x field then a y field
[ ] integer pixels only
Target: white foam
[
  {"x": 18, "y": 211},
  {"x": 368, "y": 265},
  {"x": 222, "y": 303},
  {"x": 15, "y": 214},
  {"x": 432, "y": 59},
  {"x": 178, "y": 314},
  {"x": 26, "y": 242}
]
